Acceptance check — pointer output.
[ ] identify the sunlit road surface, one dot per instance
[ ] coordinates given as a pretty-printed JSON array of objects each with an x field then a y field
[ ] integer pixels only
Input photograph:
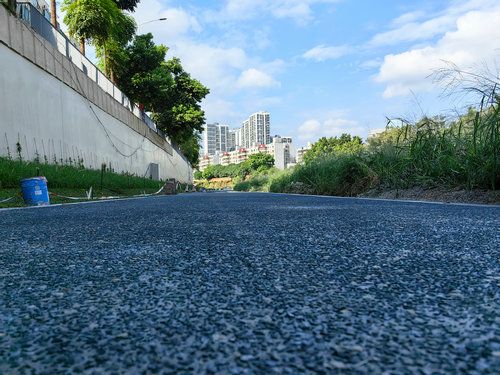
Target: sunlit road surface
[{"x": 250, "y": 283}]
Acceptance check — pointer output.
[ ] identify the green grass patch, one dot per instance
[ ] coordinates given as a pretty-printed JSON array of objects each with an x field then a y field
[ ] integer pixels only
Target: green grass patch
[{"x": 70, "y": 181}]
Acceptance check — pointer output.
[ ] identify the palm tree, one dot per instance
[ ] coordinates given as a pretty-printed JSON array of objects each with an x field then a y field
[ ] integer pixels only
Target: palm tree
[
  {"x": 53, "y": 15},
  {"x": 90, "y": 20},
  {"x": 101, "y": 23},
  {"x": 12, "y": 5}
]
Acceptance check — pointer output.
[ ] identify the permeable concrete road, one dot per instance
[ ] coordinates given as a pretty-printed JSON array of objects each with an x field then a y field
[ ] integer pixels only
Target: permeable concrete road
[{"x": 250, "y": 284}]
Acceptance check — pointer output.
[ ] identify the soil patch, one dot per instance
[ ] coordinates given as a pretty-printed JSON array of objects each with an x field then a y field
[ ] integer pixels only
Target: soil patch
[{"x": 476, "y": 196}]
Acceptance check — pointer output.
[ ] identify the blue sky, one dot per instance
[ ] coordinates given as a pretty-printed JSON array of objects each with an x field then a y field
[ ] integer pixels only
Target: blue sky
[{"x": 324, "y": 67}]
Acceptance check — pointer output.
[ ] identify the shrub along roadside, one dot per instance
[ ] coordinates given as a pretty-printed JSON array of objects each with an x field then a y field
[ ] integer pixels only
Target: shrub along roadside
[{"x": 463, "y": 154}]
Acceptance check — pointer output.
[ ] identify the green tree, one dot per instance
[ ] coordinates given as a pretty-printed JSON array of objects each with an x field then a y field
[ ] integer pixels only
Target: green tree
[
  {"x": 127, "y": 4},
  {"x": 165, "y": 89},
  {"x": 191, "y": 149},
  {"x": 262, "y": 161},
  {"x": 143, "y": 76},
  {"x": 89, "y": 20},
  {"x": 97, "y": 21},
  {"x": 112, "y": 54},
  {"x": 178, "y": 113},
  {"x": 208, "y": 173},
  {"x": 198, "y": 175},
  {"x": 345, "y": 144}
]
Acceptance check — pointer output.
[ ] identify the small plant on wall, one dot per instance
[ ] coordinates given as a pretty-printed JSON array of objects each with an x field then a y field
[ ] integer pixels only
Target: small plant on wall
[{"x": 19, "y": 150}]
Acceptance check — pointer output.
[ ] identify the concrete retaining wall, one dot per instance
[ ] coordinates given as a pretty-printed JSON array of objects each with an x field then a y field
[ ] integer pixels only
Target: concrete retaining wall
[{"x": 56, "y": 112}]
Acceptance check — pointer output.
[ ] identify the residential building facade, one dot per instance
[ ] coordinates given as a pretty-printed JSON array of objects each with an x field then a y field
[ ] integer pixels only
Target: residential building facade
[
  {"x": 216, "y": 139},
  {"x": 301, "y": 151},
  {"x": 256, "y": 130},
  {"x": 234, "y": 139},
  {"x": 281, "y": 149},
  {"x": 222, "y": 138},
  {"x": 210, "y": 139}
]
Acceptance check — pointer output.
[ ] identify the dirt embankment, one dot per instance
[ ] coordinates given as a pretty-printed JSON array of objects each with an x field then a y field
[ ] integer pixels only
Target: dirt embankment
[{"x": 476, "y": 196}]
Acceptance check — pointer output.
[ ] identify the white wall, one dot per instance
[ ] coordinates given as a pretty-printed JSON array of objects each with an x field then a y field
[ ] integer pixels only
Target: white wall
[{"x": 42, "y": 109}]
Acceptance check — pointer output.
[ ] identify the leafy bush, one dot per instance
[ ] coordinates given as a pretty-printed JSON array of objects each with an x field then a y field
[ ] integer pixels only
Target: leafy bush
[{"x": 343, "y": 175}]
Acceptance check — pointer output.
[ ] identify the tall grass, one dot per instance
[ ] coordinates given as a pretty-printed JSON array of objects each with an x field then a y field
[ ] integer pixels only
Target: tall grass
[
  {"x": 64, "y": 176},
  {"x": 465, "y": 154},
  {"x": 343, "y": 174},
  {"x": 430, "y": 153}
]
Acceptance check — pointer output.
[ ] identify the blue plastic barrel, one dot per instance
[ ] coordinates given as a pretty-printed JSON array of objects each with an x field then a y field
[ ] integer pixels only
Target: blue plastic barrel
[{"x": 35, "y": 191}]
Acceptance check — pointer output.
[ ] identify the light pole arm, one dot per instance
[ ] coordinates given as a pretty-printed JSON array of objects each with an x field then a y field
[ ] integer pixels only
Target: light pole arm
[{"x": 159, "y": 19}]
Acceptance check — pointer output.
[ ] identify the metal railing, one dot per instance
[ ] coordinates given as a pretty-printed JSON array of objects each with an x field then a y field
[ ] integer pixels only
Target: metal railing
[{"x": 32, "y": 16}]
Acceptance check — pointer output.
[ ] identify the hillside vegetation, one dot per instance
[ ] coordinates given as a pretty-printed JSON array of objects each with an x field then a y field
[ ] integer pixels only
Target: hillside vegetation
[{"x": 430, "y": 153}]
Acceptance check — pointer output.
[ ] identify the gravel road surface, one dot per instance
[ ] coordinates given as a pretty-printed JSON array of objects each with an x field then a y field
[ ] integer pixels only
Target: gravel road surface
[{"x": 234, "y": 283}]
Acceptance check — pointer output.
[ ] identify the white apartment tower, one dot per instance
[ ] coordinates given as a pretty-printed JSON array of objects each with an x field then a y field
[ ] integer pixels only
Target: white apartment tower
[
  {"x": 215, "y": 138},
  {"x": 235, "y": 139},
  {"x": 210, "y": 138},
  {"x": 222, "y": 138},
  {"x": 256, "y": 130}
]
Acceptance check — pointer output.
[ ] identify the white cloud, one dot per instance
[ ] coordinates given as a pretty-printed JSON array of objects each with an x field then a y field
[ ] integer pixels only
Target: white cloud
[
  {"x": 215, "y": 106},
  {"x": 224, "y": 69},
  {"x": 474, "y": 41},
  {"x": 418, "y": 26},
  {"x": 252, "y": 78},
  {"x": 308, "y": 130},
  {"x": 408, "y": 17},
  {"x": 322, "y": 53},
  {"x": 413, "y": 31},
  {"x": 298, "y": 10},
  {"x": 178, "y": 22},
  {"x": 311, "y": 130}
]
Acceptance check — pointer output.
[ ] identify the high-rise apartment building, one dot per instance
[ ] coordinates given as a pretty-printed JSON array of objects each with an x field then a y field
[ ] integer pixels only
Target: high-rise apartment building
[
  {"x": 210, "y": 138},
  {"x": 215, "y": 138},
  {"x": 235, "y": 139},
  {"x": 222, "y": 138},
  {"x": 281, "y": 149},
  {"x": 256, "y": 130}
]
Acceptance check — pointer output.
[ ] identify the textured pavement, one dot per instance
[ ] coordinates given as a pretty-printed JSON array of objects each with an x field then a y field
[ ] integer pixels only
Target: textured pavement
[{"x": 250, "y": 284}]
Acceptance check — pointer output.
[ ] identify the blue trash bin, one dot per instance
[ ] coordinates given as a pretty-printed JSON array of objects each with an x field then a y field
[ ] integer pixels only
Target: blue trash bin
[{"x": 35, "y": 191}]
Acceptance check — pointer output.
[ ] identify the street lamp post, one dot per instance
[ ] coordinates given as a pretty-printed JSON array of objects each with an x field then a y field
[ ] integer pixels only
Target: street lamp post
[{"x": 159, "y": 19}]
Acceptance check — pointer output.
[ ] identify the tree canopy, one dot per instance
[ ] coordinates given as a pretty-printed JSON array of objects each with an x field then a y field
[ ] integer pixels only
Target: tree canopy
[
  {"x": 260, "y": 162},
  {"x": 90, "y": 20},
  {"x": 129, "y": 5},
  {"x": 334, "y": 145},
  {"x": 256, "y": 162},
  {"x": 143, "y": 75},
  {"x": 101, "y": 23},
  {"x": 138, "y": 67},
  {"x": 165, "y": 89}
]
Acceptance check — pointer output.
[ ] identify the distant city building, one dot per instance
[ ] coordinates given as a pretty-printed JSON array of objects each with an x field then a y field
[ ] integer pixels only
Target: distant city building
[
  {"x": 215, "y": 138},
  {"x": 281, "y": 149},
  {"x": 210, "y": 138},
  {"x": 234, "y": 139},
  {"x": 222, "y": 138},
  {"x": 225, "y": 146},
  {"x": 301, "y": 151},
  {"x": 256, "y": 130}
]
